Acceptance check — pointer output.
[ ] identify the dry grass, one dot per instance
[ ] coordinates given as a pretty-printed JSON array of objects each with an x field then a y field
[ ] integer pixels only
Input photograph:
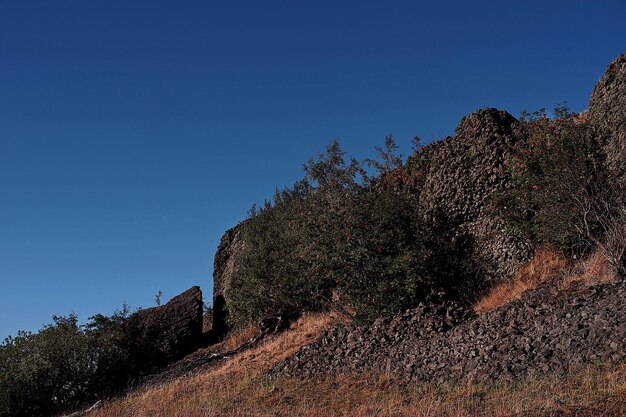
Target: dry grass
[
  {"x": 223, "y": 380},
  {"x": 545, "y": 265},
  {"x": 548, "y": 265},
  {"x": 237, "y": 387},
  {"x": 593, "y": 270},
  {"x": 236, "y": 338}
]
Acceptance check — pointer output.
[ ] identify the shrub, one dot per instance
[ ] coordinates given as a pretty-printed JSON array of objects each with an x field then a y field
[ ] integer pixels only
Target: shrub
[
  {"x": 561, "y": 195},
  {"x": 385, "y": 264},
  {"x": 273, "y": 277},
  {"x": 63, "y": 366},
  {"x": 335, "y": 232}
]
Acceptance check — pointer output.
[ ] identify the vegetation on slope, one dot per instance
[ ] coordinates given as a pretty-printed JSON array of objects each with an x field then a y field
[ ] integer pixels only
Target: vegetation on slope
[
  {"x": 238, "y": 387},
  {"x": 336, "y": 233},
  {"x": 64, "y": 365},
  {"x": 340, "y": 237},
  {"x": 561, "y": 196}
]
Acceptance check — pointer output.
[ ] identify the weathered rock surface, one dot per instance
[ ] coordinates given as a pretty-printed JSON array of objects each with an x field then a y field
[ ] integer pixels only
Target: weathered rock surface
[
  {"x": 607, "y": 112},
  {"x": 545, "y": 331},
  {"x": 230, "y": 246},
  {"x": 460, "y": 174},
  {"x": 168, "y": 332}
]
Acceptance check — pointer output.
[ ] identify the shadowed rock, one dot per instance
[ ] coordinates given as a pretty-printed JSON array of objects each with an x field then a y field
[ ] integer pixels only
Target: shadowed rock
[
  {"x": 460, "y": 175},
  {"x": 607, "y": 112},
  {"x": 166, "y": 333},
  {"x": 223, "y": 269}
]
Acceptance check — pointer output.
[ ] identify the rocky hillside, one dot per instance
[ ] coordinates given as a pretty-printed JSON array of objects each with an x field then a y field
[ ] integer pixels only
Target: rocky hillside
[
  {"x": 446, "y": 191},
  {"x": 546, "y": 331},
  {"x": 453, "y": 180}
]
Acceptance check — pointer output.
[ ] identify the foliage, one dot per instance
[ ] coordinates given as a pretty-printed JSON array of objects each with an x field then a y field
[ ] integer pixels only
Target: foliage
[
  {"x": 337, "y": 235},
  {"x": 560, "y": 196},
  {"x": 63, "y": 366}
]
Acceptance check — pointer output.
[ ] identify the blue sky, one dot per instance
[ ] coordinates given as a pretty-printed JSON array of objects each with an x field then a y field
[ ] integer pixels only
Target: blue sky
[{"x": 133, "y": 133}]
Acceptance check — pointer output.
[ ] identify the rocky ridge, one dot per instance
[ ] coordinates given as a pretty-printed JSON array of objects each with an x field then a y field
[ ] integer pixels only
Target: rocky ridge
[
  {"x": 546, "y": 331},
  {"x": 457, "y": 177}
]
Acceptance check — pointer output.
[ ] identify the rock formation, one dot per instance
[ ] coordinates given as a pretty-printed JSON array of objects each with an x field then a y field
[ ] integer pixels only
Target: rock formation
[
  {"x": 223, "y": 268},
  {"x": 607, "y": 112},
  {"x": 548, "y": 330},
  {"x": 165, "y": 333},
  {"x": 460, "y": 174},
  {"x": 457, "y": 178}
]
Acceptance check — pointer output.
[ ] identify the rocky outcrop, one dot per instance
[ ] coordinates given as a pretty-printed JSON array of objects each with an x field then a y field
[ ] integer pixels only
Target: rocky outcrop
[
  {"x": 229, "y": 248},
  {"x": 162, "y": 334},
  {"x": 454, "y": 181},
  {"x": 461, "y": 172},
  {"x": 607, "y": 112},
  {"x": 545, "y": 331},
  {"x": 460, "y": 175}
]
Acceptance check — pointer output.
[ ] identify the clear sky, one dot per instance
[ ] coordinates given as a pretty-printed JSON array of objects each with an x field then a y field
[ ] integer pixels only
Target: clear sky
[{"x": 133, "y": 133}]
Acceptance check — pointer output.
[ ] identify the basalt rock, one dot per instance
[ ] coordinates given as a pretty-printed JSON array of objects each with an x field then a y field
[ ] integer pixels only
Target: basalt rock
[
  {"x": 162, "y": 334},
  {"x": 459, "y": 175},
  {"x": 454, "y": 180},
  {"x": 229, "y": 248},
  {"x": 546, "y": 331},
  {"x": 607, "y": 113}
]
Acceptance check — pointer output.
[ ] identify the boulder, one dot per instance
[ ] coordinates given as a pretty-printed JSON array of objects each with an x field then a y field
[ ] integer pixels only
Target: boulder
[
  {"x": 162, "y": 334},
  {"x": 607, "y": 113}
]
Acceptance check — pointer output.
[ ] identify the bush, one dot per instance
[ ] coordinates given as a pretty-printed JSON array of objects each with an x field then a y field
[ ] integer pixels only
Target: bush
[
  {"x": 63, "y": 366},
  {"x": 336, "y": 235},
  {"x": 560, "y": 194},
  {"x": 272, "y": 275}
]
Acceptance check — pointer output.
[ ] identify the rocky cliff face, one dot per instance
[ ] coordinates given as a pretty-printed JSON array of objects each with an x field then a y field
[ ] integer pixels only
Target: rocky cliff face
[
  {"x": 460, "y": 174},
  {"x": 168, "y": 332},
  {"x": 607, "y": 112},
  {"x": 223, "y": 268}
]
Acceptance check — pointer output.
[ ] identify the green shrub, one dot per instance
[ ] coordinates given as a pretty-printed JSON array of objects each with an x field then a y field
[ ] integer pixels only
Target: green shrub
[
  {"x": 336, "y": 235},
  {"x": 63, "y": 366}
]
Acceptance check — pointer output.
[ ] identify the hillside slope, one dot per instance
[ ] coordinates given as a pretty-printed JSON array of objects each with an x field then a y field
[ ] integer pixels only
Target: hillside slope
[
  {"x": 547, "y": 331},
  {"x": 558, "y": 349},
  {"x": 238, "y": 386}
]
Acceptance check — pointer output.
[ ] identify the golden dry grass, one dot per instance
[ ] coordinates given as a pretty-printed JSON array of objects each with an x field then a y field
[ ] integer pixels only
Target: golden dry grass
[
  {"x": 238, "y": 387},
  {"x": 593, "y": 270},
  {"x": 236, "y": 338},
  {"x": 545, "y": 265}
]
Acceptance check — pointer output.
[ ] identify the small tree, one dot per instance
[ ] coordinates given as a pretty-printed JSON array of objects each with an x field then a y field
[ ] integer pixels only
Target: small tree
[{"x": 387, "y": 160}]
